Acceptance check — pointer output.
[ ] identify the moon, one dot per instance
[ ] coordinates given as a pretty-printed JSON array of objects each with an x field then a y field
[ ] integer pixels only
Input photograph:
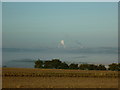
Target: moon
[{"x": 62, "y": 42}]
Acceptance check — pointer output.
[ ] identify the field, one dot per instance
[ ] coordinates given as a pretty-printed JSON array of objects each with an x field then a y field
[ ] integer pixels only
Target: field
[{"x": 58, "y": 78}]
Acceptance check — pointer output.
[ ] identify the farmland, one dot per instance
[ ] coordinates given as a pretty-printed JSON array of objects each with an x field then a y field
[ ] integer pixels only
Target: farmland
[{"x": 58, "y": 78}]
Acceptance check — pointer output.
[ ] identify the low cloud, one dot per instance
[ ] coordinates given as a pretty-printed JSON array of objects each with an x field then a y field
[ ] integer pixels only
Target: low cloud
[
  {"x": 23, "y": 60},
  {"x": 99, "y": 50},
  {"x": 80, "y": 57}
]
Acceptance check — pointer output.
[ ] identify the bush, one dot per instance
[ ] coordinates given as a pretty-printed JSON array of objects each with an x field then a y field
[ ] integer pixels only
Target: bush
[
  {"x": 57, "y": 64},
  {"x": 101, "y": 67},
  {"x": 38, "y": 64},
  {"x": 73, "y": 66},
  {"x": 114, "y": 67}
]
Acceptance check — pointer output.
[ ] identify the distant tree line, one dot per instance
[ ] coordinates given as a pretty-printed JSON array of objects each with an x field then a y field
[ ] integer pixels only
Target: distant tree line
[{"x": 57, "y": 64}]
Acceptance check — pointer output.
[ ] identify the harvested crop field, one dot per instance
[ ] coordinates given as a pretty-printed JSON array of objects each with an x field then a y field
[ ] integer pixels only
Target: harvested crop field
[{"x": 58, "y": 78}]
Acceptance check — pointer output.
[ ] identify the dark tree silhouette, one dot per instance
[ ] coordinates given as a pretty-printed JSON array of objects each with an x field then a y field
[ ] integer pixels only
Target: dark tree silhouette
[
  {"x": 38, "y": 64},
  {"x": 56, "y": 63},
  {"x": 118, "y": 66},
  {"x": 92, "y": 67},
  {"x": 114, "y": 67},
  {"x": 64, "y": 66},
  {"x": 84, "y": 66},
  {"x": 48, "y": 64},
  {"x": 101, "y": 67},
  {"x": 73, "y": 66}
]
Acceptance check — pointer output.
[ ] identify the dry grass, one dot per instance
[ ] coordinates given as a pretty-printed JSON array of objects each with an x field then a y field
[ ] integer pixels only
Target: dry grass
[
  {"x": 57, "y": 73},
  {"x": 50, "y": 78}
]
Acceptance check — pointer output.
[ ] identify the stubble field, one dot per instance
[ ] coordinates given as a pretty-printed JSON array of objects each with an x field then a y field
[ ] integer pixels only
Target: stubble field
[{"x": 58, "y": 78}]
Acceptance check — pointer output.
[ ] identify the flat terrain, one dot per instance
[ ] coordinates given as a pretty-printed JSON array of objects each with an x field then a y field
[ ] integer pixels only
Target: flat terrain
[{"x": 58, "y": 78}]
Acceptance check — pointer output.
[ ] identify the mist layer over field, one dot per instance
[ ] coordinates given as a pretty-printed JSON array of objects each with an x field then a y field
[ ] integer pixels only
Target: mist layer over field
[{"x": 26, "y": 59}]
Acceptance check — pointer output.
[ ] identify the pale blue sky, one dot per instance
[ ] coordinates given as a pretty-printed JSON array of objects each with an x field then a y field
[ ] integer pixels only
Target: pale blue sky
[{"x": 40, "y": 25}]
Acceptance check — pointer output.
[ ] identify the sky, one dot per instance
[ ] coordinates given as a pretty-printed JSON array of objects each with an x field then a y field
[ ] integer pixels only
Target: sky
[
  {"x": 45, "y": 24},
  {"x": 0, "y": 34},
  {"x": 0, "y": 14},
  {"x": 70, "y": 31}
]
